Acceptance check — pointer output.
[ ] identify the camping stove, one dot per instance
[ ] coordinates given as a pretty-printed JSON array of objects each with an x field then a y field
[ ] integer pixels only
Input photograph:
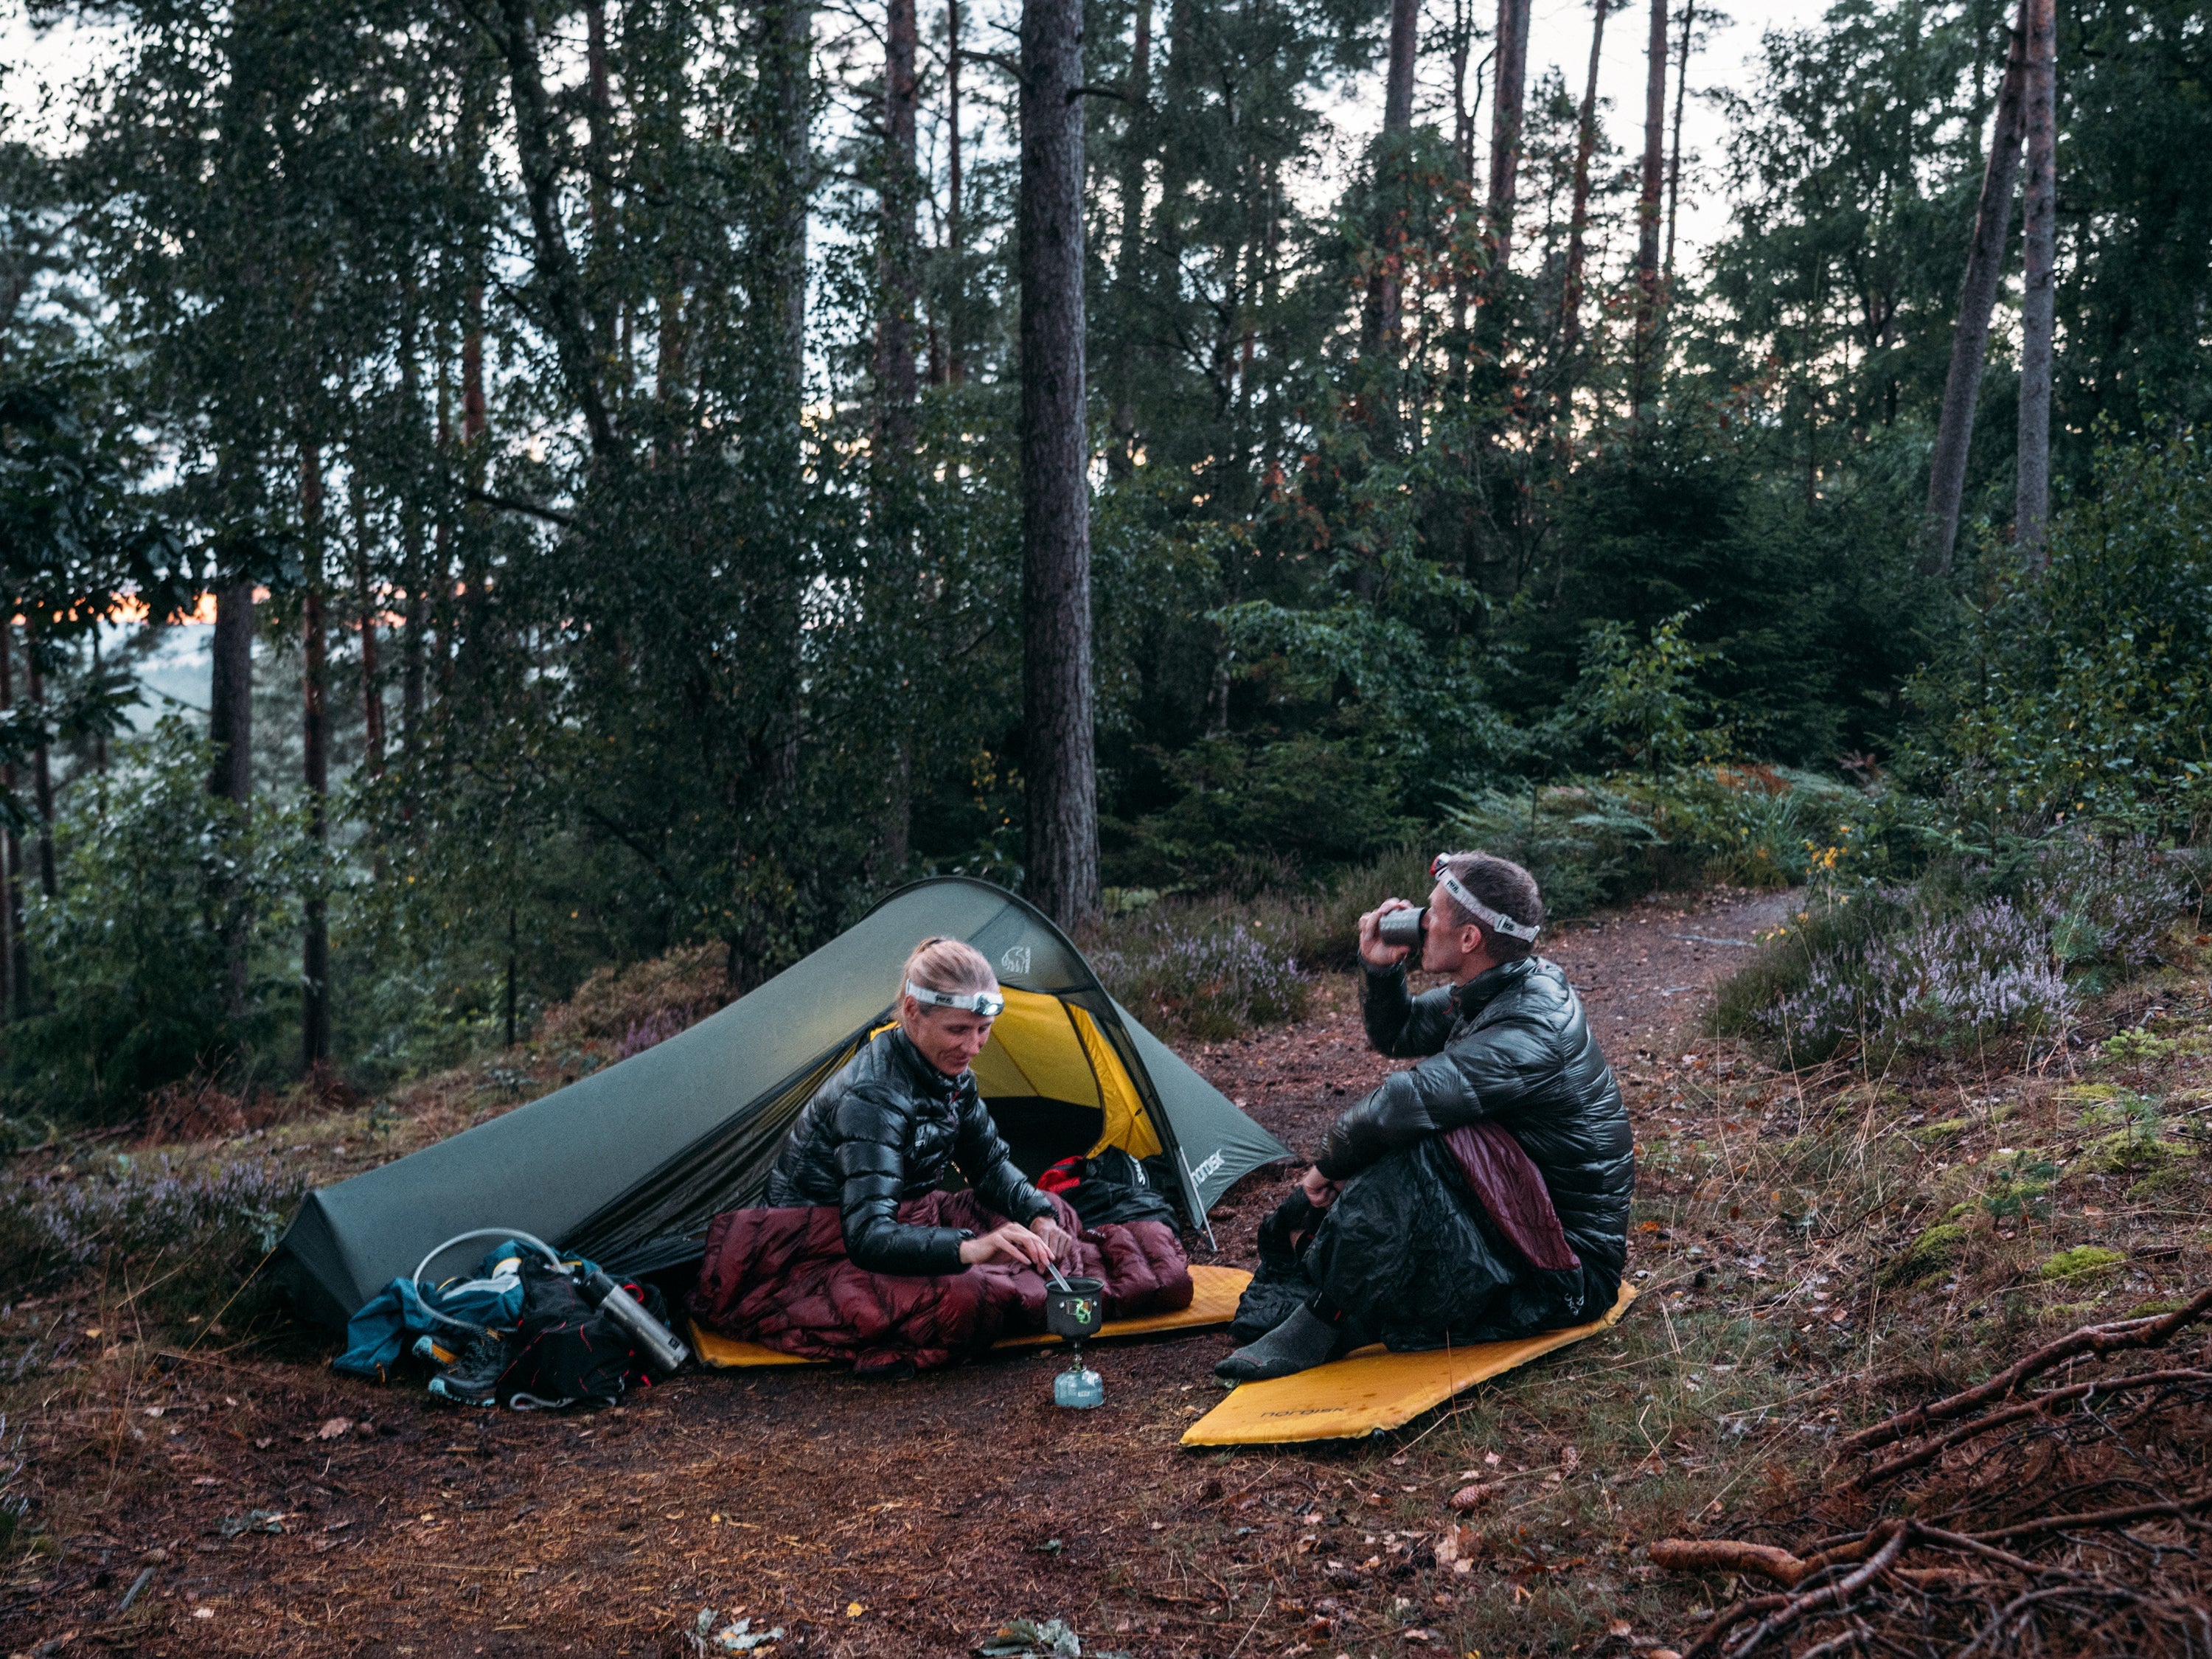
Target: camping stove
[{"x": 1075, "y": 1309}]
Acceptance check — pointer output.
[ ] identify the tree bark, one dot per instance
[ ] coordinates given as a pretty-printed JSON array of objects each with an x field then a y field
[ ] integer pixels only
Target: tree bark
[
  {"x": 315, "y": 953},
  {"x": 1381, "y": 321},
  {"x": 1970, "y": 338},
  {"x": 2039, "y": 294},
  {"x": 953, "y": 369},
  {"x": 1062, "y": 791},
  {"x": 1129, "y": 260},
  {"x": 559, "y": 301},
  {"x": 42, "y": 777},
  {"x": 1647, "y": 212},
  {"x": 372, "y": 687},
  {"x": 1507, "y": 105},
  {"x": 411, "y": 552},
  {"x": 894, "y": 376},
  {"x": 1675, "y": 146},
  {"x": 1570, "y": 301},
  {"x": 19, "y": 944}
]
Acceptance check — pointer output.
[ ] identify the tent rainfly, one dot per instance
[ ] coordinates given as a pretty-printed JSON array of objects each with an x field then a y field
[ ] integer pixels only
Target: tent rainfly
[{"x": 618, "y": 1164}]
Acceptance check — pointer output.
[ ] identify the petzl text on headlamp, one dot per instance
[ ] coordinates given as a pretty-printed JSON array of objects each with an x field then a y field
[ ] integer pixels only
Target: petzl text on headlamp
[{"x": 989, "y": 1004}]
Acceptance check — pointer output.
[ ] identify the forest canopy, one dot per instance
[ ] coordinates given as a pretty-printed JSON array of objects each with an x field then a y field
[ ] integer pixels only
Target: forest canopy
[{"x": 595, "y": 434}]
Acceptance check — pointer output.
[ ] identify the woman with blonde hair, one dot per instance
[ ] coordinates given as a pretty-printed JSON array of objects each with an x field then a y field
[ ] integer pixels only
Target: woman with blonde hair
[{"x": 902, "y": 1112}]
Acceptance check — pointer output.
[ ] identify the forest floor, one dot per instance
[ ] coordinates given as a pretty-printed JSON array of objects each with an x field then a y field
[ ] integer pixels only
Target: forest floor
[{"x": 913, "y": 1517}]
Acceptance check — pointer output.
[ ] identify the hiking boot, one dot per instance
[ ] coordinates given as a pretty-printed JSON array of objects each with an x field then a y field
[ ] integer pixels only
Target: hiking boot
[{"x": 473, "y": 1379}]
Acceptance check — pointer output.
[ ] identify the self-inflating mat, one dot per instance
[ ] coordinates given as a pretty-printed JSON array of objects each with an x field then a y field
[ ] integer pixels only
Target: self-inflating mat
[
  {"x": 627, "y": 1164},
  {"x": 1214, "y": 1293},
  {"x": 1373, "y": 1389}
]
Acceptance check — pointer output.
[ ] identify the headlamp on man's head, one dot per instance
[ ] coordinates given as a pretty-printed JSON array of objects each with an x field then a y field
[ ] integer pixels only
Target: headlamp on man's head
[
  {"x": 989, "y": 1004},
  {"x": 1496, "y": 921}
]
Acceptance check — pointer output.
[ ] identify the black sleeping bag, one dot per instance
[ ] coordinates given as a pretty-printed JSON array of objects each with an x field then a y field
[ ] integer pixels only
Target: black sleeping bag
[{"x": 1408, "y": 1253}]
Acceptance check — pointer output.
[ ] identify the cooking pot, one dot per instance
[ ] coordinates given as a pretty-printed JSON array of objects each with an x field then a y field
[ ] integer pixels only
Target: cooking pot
[{"x": 1075, "y": 1314}]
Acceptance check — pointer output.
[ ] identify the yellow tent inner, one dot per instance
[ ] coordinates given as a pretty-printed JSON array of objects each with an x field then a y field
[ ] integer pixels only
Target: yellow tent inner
[{"x": 1043, "y": 1047}]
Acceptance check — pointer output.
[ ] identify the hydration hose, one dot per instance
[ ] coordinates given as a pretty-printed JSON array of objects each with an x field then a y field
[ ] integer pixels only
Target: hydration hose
[{"x": 598, "y": 1290}]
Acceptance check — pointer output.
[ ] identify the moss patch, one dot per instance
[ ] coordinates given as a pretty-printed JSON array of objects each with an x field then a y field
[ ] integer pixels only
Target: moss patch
[
  {"x": 2120, "y": 1153},
  {"x": 1929, "y": 1255},
  {"x": 1928, "y": 1133},
  {"x": 2081, "y": 1260}
]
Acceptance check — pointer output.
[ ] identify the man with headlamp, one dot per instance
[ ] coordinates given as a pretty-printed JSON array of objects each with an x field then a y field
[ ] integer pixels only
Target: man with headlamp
[
  {"x": 1480, "y": 1194},
  {"x": 902, "y": 1111}
]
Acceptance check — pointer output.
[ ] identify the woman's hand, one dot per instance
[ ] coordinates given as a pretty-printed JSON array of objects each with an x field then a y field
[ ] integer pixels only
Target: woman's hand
[
  {"x": 1321, "y": 1192},
  {"x": 1054, "y": 1236},
  {"x": 1011, "y": 1242},
  {"x": 1372, "y": 950}
]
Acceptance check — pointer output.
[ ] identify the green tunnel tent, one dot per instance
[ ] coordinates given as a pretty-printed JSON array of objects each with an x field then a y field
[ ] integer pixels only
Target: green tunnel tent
[{"x": 652, "y": 1147}]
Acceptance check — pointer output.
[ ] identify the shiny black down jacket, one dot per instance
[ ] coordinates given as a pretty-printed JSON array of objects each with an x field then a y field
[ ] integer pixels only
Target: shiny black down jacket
[
  {"x": 886, "y": 1127},
  {"x": 1511, "y": 1046}
]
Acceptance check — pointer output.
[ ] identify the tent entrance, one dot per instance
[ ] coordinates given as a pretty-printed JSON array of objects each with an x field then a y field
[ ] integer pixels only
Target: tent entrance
[{"x": 1056, "y": 1088}]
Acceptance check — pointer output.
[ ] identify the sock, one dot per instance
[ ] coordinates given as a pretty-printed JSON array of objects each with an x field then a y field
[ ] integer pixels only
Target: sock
[{"x": 1299, "y": 1343}]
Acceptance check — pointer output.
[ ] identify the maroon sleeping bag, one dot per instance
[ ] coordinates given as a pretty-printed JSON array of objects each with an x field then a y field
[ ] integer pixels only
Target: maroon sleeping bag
[{"x": 781, "y": 1277}]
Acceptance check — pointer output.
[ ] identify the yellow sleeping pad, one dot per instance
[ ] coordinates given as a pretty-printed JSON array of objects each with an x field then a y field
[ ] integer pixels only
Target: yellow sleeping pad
[
  {"x": 1214, "y": 1293},
  {"x": 1372, "y": 1389}
]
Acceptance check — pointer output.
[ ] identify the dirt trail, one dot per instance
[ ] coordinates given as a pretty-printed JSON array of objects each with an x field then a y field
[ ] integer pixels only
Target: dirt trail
[{"x": 864, "y": 1518}]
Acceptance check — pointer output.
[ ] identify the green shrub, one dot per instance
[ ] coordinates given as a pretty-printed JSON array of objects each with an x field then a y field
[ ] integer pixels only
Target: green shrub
[
  {"x": 1274, "y": 816},
  {"x": 1586, "y": 843},
  {"x": 1202, "y": 970},
  {"x": 2083, "y": 690},
  {"x": 130, "y": 957},
  {"x": 1967, "y": 951}
]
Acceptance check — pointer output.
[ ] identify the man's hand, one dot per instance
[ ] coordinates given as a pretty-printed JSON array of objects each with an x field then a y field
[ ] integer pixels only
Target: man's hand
[
  {"x": 1321, "y": 1192},
  {"x": 1372, "y": 950},
  {"x": 1011, "y": 1242},
  {"x": 1054, "y": 1237}
]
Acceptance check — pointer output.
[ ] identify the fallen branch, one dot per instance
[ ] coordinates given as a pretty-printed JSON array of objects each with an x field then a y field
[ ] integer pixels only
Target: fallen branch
[
  {"x": 2090, "y": 1338},
  {"x": 1726, "y": 1555},
  {"x": 2101, "y": 1518},
  {"x": 1794, "y": 1607},
  {"x": 1934, "y": 1449}
]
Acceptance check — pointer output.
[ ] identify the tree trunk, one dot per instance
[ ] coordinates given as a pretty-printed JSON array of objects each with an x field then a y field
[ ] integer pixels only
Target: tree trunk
[
  {"x": 1380, "y": 323},
  {"x": 895, "y": 384},
  {"x": 1970, "y": 339},
  {"x": 1570, "y": 301},
  {"x": 787, "y": 63},
  {"x": 372, "y": 688},
  {"x": 1129, "y": 262},
  {"x": 42, "y": 777},
  {"x": 895, "y": 377},
  {"x": 560, "y": 307},
  {"x": 1674, "y": 147},
  {"x": 1511, "y": 67},
  {"x": 2039, "y": 294},
  {"x": 19, "y": 944},
  {"x": 315, "y": 954},
  {"x": 1063, "y": 784},
  {"x": 1647, "y": 213},
  {"x": 954, "y": 369},
  {"x": 599, "y": 118},
  {"x": 410, "y": 553},
  {"x": 230, "y": 733}
]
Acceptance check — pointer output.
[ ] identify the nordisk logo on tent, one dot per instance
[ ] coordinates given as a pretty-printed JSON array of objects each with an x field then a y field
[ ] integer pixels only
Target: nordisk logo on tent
[
  {"x": 1015, "y": 962},
  {"x": 1198, "y": 1175}
]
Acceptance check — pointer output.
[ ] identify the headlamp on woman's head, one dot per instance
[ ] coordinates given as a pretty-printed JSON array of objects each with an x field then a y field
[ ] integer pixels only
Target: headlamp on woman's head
[
  {"x": 1497, "y": 921},
  {"x": 989, "y": 1004}
]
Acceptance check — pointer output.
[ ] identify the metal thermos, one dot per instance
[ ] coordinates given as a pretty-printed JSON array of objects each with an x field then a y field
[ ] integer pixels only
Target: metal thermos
[
  {"x": 1403, "y": 926},
  {"x": 658, "y": 1341}
]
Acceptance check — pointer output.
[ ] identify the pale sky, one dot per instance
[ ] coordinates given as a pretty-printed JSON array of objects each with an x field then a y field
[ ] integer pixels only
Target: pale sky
[{"x": 1559, "y": 36}]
